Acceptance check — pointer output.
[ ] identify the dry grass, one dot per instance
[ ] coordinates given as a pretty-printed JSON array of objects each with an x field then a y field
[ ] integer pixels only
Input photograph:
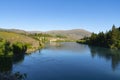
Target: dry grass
[{"x": 14, "y": 37}]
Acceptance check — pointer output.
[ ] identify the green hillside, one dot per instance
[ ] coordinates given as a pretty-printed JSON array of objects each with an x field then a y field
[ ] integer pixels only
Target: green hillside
[{"x": 15, "y": 37}]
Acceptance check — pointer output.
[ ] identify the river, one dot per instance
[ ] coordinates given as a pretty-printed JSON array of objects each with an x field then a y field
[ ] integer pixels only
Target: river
[{"x": 70, "y": 61}]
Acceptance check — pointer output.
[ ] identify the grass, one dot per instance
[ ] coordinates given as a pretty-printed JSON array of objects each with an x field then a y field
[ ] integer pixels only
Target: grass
[{"x": 15, "y": 37}]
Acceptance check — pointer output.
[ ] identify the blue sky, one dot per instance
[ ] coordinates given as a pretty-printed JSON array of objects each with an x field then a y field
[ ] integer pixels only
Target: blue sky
[{"x": 44, "y": 15}]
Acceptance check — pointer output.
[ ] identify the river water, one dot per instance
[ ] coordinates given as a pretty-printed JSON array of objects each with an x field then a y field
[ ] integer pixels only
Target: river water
[{"x": 70, "y": 61}]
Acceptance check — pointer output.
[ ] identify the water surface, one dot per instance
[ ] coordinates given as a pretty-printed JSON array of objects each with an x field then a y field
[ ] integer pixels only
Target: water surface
[{"x": 70, "y": 61}]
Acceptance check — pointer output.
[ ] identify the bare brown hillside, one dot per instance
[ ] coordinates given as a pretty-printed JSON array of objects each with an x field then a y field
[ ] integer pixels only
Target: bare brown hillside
[{"x": 74, "y": 34}]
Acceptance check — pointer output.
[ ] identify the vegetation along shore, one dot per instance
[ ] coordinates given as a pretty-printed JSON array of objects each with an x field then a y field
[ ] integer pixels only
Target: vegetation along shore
[{"x": 110, "y": 39}]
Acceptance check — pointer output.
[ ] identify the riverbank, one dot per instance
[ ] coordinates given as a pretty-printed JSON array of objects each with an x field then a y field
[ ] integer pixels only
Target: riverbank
[
  {"x": 110, "y": 39},
  {"x": 12, "y": 76},
  {"x": 33, "y": 49}
]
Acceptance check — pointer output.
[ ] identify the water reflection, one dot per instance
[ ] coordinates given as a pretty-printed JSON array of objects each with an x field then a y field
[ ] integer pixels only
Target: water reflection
[
  {"x": 70, "y": 61},
  {"x": 6, "y": 65},
  {"x": 108, "y": 54},
  {"x": 18, "y": 58},
  {"x": 69, "y": 46}
]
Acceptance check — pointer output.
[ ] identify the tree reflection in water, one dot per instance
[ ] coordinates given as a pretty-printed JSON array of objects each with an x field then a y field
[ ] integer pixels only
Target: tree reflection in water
[
  {"x": 109, "y": 54},
  {"x": 6, "y": 64}
]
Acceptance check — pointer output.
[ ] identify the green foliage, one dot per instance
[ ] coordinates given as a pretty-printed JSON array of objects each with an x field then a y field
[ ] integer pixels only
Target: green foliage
[
  {"x": 41, "y": 37},
  {"x": 16, "y": 37},
  {"x": 19, "y": 48},
  {"x": 110, "y": 39},
  {"x": 81, "y": 41},
  {"x": 5, "y": 47},
  {"x": 60, "y": 36},
  {"x": 38, "y": 35}
]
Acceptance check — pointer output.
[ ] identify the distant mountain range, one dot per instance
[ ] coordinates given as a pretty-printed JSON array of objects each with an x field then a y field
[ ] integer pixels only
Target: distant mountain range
[
  {"x": 73, "y": 34},
  {"x": 14, "y": 30}
]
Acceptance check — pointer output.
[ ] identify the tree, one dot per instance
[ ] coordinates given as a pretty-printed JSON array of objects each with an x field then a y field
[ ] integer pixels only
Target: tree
[{"x": 109, "y": 39}]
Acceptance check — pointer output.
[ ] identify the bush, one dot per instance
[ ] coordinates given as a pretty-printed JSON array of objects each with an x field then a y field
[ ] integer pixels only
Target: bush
[
  {"x": 5, "y": 47},
  {"x": 19, "y": 48}
]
